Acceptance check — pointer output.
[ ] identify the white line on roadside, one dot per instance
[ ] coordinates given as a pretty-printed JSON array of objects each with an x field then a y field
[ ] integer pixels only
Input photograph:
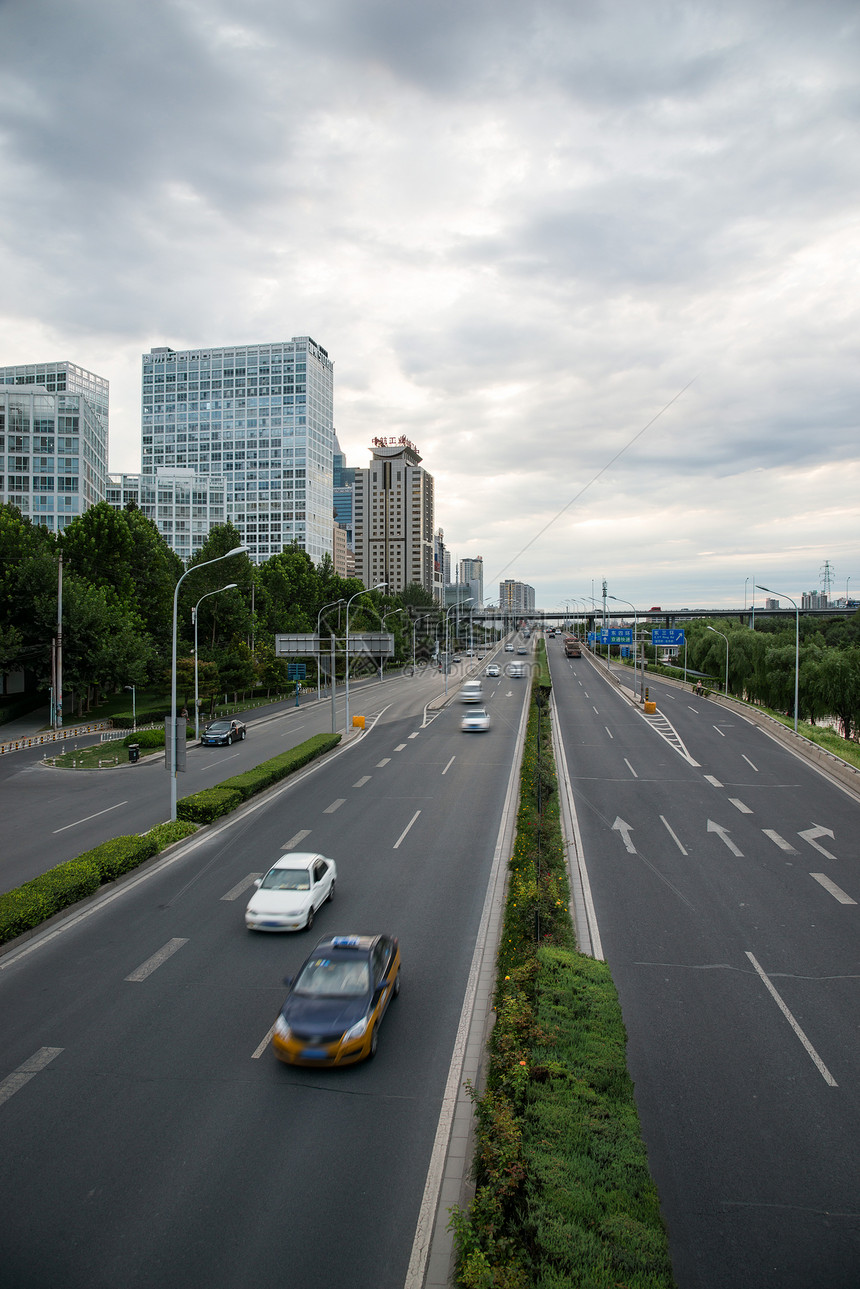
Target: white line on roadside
[
  {"x": 749, "y": 762},
  {"x": 740, "y": 805},
  {"x": 780, "y": 841},
  {"x": 819, "y": 1064},
  {"x": 630, "y": 768},
  {"x": 335, "y": 805},
  {"x": 672, "y": 835},
  {"x": 384, "y": 761},
  {"x": 296, "y": 838},
  {"x": 25, "y": 1072},
  {"x": 236, "y": 891},
  {"x": 836, "y": 891},
  {"x": 258, "y": 1051},
  {"x": 146, "y": 968},
  {"x": 364, "y": 779},
  {"x": 450, "y": 763},
  {"x": 89, "y": 817},
  {"x": 406, "y": 830}
]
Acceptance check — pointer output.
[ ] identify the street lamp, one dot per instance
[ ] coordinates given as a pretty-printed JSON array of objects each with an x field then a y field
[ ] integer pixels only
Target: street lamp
[
  {"x": 635, "y": 643},
  {"x": 319, "y": 651},
  {"x": 418, "y": 618},
  {"x": 382, "y": 625},
  {"x": 231, "y": 586},
  {"x": 719, "y": 633},
  {"x": 454, "y": 608},
  {"x": 796, "y": 645},
  {"x": 171, "y": 761},
  {"x": 133, "y": 707},
  {"x": 363, "y": 591}
]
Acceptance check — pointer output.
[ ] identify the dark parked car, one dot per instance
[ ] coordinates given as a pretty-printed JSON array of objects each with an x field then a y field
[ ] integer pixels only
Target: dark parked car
[{"x": 223, "y": 733}]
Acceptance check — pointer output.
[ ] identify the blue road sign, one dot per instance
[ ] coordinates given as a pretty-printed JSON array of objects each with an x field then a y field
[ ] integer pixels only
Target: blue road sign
[
  {"x": 669, "y": 636},
  {"x": 619, "y": 635},
  {"x": 297, "y": 670}
]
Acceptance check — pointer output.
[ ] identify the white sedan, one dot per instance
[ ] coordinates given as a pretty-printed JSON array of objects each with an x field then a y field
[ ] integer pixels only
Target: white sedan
[
  {"x": 291, "y": 893},
  {"x": 494, "y": 669},
  {"x": 477, "y": 719}
]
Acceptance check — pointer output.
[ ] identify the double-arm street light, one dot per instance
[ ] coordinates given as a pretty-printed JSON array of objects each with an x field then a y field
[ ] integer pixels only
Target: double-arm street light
[
  {"x": 635, "y": 644},
  {"x": 170, "y": 753},
  {"x": 379, "y": 586},
  {"x": 231, "y": 586},
  {"x": 726, "y": 638},
  {"x": 783, "y": 595},
  {"x": 455, "y": 608},
  {"x": 418, "y": 618},
  {"x": 382, "y": 621},
  {"x": 319, "y": 651}
]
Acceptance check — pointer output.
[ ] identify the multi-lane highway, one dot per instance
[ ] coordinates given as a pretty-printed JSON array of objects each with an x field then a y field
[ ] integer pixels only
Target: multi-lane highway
[
  {"x": 147, "y": 1135},
  {"x": 724, "y": 875}
]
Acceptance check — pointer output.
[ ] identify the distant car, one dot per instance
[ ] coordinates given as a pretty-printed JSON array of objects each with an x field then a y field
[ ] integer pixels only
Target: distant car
[
  {"x": 336, "y": 1003},
  {"x": 494, "y": 669},
  {"x": 522, "y": 649},
  {"x": 292, "y": 891},
  {"x": 509, "y": 648},
  {"x": 456, "y": 658},
  {"x": 223, "y": 733},
  {"x": 515, "y": 670},
  {"x": 477, "y": 719},
  {"x": 472, "y": 691}
]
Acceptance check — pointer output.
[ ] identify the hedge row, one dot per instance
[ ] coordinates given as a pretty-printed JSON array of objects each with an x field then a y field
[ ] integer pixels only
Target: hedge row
[
  {"x": 211, "y": 803},
  {"x": 563, "y": 1195},
  {"x": 33, "y": 903}
]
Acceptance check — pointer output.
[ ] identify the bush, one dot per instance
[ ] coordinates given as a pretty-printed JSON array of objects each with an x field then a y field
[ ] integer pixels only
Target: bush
[
  {"x": 205, "y": 806},
  {"x": 145, "y": 738},
  {"x": 211, "y": 803}
]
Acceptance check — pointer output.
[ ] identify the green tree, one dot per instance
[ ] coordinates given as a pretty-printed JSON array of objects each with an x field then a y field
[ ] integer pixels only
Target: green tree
[{"x": 837, "y": 682}]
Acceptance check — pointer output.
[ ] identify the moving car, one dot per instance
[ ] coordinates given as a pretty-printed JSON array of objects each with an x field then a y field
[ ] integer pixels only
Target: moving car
[
  {"x": 516, "y": 670},
  {"x": 334, "y": 1007},
  {"x": 494, "y": 669},
  {"x": 471, "y": 691},
  {"x": 509, "y": 648},
  {"x": 522, "y": 649},
  {"x": 291, "y": 893},
  {"x": 477, "y": 719},
  {"x": 223, "y": 732}
]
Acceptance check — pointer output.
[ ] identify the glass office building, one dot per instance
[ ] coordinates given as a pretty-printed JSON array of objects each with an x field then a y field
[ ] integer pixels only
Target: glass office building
[
  {"x": 53, "y": 440},
  {"x": 182, "y": 505},
  {"x": 260, "y": 417}
]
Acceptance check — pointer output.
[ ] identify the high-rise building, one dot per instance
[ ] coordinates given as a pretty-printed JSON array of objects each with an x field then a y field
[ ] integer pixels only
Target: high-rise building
[
  {"x": 182, "y": 505},
  {"x": 261, "y": 418},
  {"x": 343, "y": 493},
  {"x": 53, "y": 440},
  {"x": 516, "y": 597},
  {"x": 394, "y": 517},
  {"x": 472, "y": 572}
]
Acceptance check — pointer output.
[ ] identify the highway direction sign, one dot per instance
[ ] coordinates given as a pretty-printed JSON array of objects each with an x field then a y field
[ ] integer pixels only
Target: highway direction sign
[{"x": 669, "y": 636}]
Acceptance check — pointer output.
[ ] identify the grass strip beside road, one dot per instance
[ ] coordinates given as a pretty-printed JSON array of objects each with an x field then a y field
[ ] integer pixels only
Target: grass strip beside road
[
  {"x": 563, "y": 1193},
  {"x": 28, "y": 906}
]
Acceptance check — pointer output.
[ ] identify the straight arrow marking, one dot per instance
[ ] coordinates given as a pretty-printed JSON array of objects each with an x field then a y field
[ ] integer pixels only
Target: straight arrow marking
[
  {"x": 723, "y": 834},
  {"x": 625, "y": 830}
]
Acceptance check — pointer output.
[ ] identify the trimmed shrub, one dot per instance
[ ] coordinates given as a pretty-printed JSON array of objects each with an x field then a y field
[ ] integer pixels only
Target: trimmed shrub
[
  {"x": 33, "y": 903},
  {"x": 205, "y": 806},
  {"x": 211, "y": 803},
  {"x": 145, "y": 738}
]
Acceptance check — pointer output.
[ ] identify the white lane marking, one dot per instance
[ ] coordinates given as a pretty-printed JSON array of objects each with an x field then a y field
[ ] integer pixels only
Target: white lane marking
[
  {"x": 406, "y": 830},
  {"x": 292, "y": 730},
  {"x": 594, "y": 709},
  {"x": 146, "y": 968},
  {"x": 364, "y": 779},
  {"x": 625, "y": 830},
  {"x": 585, "y": 692},
  {"x": 780, "y": 841},
  {"x": 820, "y": 1066},
  {"x": 672, "y": 835},
  {"x": 258, "y": 1051},
  {"x": 400, "y": 747},
  {"x": 739, "y": 805},
  {"x": 236, "y": 891},
  {"x": 714, "y": 782},
  {"x": 384, "y": 761},
  {"x": 723, "y": 834},
  {"x": 89, "y": 817},
  {"x": 836, "y": 891},
  {"x": 693, "y": 709},
  {"x": 609, "y": 732},
  {"x": 335, "y": 805},
  {"x": 450, "y": 763},
  {"x": 25, "y": 1072},
  {"x": 809, "y": 834},
  {"x": 630, "y": 768},
  {"x": 415, "y": 735},
  {"x": 719, "y": 731},
  {"x": 296, "y": 838},
  {"x": 749, "y": 762}
]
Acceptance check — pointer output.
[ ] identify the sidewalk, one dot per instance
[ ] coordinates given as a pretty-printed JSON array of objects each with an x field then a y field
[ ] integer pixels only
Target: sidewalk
[{"x": 35, "y": 722}]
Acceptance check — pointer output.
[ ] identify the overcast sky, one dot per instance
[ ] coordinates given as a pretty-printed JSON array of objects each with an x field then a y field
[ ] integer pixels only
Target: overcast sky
[{"x": 519, "y": 229}]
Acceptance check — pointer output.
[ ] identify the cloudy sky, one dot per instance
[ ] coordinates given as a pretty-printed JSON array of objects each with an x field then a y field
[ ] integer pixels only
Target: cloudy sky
[{"x": 598, "y": 260}]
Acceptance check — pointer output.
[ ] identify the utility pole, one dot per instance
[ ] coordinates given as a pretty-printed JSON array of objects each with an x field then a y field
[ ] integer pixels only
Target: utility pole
[{"x": 58, "y": 680}]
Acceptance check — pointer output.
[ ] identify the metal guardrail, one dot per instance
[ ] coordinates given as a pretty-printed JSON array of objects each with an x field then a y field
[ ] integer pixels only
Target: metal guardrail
[{"x": 52, "y": 736}]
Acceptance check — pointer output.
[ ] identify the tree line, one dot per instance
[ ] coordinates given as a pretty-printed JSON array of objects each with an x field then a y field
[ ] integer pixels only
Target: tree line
[{"x": 118, "y": 582}]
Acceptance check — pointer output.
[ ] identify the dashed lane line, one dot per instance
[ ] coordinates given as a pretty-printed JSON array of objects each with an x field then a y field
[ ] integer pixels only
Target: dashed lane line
[
  {"x": 240, "y": 887},
  {"x": 15, "y": 1081},
  {"x": 152, "y": 964}
]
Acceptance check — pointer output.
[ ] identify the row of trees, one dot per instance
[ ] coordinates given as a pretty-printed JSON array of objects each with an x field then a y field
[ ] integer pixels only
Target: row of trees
[{"x": 119, "y": 578}]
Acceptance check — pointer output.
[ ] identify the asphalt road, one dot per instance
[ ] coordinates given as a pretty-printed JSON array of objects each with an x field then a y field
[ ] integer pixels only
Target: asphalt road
[
  {"x": 148, "y": 1136},
  {"x": 724, "y": 875}
]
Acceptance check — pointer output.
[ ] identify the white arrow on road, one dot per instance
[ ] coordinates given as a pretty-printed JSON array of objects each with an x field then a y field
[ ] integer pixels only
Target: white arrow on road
[
  {"x": 723, "y": 834},
  {"x": 817, "y": 831},
  {"x": 625, "y": 830}
]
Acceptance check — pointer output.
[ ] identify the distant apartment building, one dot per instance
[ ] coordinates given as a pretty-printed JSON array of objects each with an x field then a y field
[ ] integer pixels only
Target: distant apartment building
[
  {"x": 394, "y": 500},
  {"x": 472, "y": 573},
  {"x": 184, "y": 506},
  {"x": 259, "y": 417},
  {"x": 53, "y": 440},
  {"x": 441, "y": 566},
  {"x": 339, "y": 550},
  {"x": 343, "y": 493},
  {"x": 516, "y": 597},
  {"x": 814, "y": 600}
]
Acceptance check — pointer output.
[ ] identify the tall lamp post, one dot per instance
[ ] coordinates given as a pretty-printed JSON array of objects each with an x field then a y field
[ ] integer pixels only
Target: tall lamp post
[
  {"x": 455, "y": 608},
  {"x": 319, "y": 651},
  {"x": 382, "y": 623},
  {"x": 796, "y": 645},
  {"x": 363, "y": 591},
  {"x": 635, "y": 643},
  {"x": 726, "y": 638},
  {"x": 133, "y": 707},
  {"x": 237, "y": 550},
  {"x": 231, "y": 586}
]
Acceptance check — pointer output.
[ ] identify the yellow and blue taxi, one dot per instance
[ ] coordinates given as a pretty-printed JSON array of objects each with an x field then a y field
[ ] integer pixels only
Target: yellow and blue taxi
[{"x": 336, "y": 1003}]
